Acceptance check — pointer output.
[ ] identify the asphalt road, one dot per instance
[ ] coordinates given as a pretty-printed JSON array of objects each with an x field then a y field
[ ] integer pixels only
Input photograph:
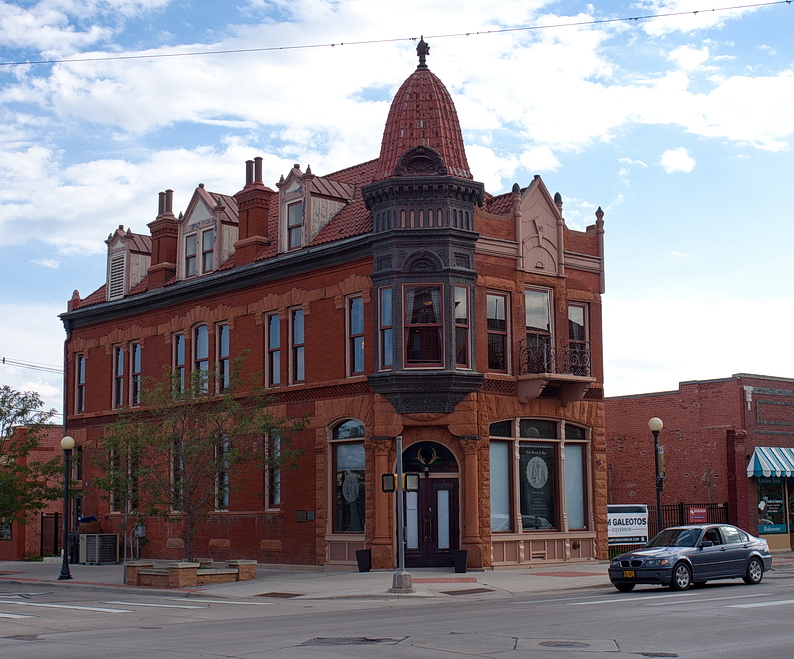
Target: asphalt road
[{"x": 725, "y": 620}]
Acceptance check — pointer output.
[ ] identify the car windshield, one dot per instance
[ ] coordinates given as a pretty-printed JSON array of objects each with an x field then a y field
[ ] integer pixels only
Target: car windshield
[{"x": 675, "y": 538}]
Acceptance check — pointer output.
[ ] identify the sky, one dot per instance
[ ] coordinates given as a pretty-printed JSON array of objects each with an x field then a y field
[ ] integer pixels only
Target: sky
[{"x": 679, "y": 127}]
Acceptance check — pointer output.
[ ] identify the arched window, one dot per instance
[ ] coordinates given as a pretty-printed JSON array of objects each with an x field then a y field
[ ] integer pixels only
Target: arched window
[{"x": 348, "y": 469}]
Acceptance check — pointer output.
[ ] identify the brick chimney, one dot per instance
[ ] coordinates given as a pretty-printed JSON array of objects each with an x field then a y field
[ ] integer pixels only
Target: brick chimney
[
  {"x": 165, "y": 235},
  {"x": 253, "y": 204}
]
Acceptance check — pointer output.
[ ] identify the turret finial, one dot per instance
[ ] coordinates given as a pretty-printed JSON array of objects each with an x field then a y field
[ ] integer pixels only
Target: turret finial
[{"x": 423, "y": 50}]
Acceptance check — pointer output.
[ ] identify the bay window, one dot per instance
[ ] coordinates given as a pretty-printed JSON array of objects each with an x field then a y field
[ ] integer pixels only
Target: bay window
[
  {"x": 423, "y": 326},
  {"x": 386, "y": 329},
  {"x": 462, "y": 326}
]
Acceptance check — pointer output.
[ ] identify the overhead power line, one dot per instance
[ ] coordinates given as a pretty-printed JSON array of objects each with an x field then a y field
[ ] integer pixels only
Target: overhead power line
[
  {"x": 47, "y": 368},
  {"x": 625, "y": 19}
]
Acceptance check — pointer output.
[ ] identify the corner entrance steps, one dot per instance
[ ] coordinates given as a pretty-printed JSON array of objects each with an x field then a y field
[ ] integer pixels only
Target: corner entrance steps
[{"x": 187, "y": 575}]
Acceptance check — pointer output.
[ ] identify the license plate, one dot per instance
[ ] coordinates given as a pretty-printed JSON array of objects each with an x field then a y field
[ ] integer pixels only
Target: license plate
[{"x": 629, "y": 574}]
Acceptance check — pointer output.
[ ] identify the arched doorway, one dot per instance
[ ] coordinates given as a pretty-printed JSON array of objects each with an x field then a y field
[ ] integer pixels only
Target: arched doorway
[{"x": 431, "y": 514}]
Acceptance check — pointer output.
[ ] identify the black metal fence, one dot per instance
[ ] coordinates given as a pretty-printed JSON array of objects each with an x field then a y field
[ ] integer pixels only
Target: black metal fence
[{"x": 678, "y": 514}]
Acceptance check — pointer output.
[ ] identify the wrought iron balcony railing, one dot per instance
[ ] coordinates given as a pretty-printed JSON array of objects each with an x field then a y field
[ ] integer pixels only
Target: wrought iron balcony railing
[{"x": 565, "y": 358}]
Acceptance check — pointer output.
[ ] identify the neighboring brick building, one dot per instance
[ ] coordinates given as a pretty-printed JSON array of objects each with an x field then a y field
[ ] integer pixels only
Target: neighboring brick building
[
  {"x": 41, "y": 534},
  {"x": 716, "y": 438},
  {"x": 394, "y": 297}
]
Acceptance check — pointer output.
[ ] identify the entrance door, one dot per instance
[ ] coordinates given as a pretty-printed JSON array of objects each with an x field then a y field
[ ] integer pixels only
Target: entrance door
[{"x": 431, "y": 522}]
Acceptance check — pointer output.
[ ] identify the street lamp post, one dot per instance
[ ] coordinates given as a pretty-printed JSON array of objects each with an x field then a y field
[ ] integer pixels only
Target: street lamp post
[
  {"x": 655, "y": 425},
  {"x": 401, "y": 580},
  {"x": 67, "y": 444}
]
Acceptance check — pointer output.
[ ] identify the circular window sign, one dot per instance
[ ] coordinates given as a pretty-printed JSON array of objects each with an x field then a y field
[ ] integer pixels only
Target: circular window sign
[
  {"x": 537, "y": 472},
  {"x": 350, "y": 488}
]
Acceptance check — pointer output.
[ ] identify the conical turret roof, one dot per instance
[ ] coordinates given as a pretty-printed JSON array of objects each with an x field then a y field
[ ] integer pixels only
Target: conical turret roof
[{"x": 423, "y": 114}]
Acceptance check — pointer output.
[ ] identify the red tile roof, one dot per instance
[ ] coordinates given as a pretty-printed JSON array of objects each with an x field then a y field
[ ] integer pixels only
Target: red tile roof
[
  {"x": 99, "y": 295},
  {"x": 423, "y": 114}
]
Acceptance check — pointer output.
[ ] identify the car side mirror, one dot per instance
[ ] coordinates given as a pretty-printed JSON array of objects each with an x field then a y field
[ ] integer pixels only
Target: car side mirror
[{"x": 707, "y": 543}]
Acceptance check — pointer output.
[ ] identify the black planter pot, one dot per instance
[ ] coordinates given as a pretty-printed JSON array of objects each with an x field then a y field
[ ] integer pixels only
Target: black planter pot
[
  {"x": 364, "y": 559},
  {"x": 460, "y": 558}
]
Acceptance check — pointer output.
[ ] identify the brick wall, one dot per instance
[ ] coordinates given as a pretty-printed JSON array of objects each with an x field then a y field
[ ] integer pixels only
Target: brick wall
[{"x": 711, "y": 429}]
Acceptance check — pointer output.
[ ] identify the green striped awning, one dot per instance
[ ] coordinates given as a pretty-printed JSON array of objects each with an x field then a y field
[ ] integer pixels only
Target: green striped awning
[{"x": 771, "y": 461}]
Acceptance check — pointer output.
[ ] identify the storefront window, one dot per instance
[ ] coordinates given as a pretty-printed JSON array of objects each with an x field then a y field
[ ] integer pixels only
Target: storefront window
[
  {"x": 537, "y": 473},
  {"x": 771, "y": 505},
  {"x": 500, "y": 487},
  {"x": 574, "y": 486},
  {"x": 5, "y": 530},
  {"x": 349, "y": 490},
  {"x": 530, "y": 461}
]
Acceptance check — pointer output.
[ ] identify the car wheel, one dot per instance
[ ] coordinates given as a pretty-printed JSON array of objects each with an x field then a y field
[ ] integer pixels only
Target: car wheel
[
  {"x": 682, "y": 577},
  {"x": 755, "y": 572},
  {"x": 624, "y": 587}
]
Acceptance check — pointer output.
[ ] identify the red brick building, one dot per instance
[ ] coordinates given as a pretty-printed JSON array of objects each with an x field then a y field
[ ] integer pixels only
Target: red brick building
[
  {"x": 727, "y": 441},
  {"x": 394, "y": 297},
  {"x": 41, "y": 534}
]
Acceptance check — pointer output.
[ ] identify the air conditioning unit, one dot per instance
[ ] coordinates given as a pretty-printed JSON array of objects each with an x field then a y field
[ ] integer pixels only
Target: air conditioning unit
[{"x": 99, "y": 548}]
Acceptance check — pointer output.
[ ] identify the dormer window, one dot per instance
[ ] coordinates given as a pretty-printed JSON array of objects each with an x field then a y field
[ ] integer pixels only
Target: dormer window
[
  {"x": 190, "y": 255},
  {"x": 129, "y": 257},
  {"x": 207, "y": 261},
  {"x": 207, "y": 250},
  {"x": 295, "y": 225},
  {"x": 307, "y": 204}
]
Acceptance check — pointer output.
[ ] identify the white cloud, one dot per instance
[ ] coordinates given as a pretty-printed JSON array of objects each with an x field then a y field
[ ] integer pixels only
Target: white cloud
[
  {"x": 539, "y": 159},
  {"x": 54, "y": 264},
  {"x": 35, "y": 336},
  {"x": 681, "y": 255},
  {"x": 644, "y": 355},
  {"x": 689, "y": 58},
  {"x": 49, "y": 26},
  {"x": 692, "y": 15},
  {"x": 677, "y": 160},
  {"x": 629, "y": 161}
]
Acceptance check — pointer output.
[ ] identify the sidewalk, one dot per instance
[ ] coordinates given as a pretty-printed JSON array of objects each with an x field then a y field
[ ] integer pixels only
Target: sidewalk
[
  {"x": 312, "y": 584},
  {"x": 317, "y": 584}
]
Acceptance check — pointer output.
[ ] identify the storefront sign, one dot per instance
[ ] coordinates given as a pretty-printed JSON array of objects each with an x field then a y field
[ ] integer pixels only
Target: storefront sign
[{"x": 627, "y": 524}]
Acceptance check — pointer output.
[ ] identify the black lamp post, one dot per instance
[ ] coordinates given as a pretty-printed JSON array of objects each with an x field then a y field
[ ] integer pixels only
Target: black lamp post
[
  {"x": 67, "y": 444},
  {"x": 656, "y": 425}
]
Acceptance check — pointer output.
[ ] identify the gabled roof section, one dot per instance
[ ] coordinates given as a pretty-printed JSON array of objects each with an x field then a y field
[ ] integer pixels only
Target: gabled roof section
[
  {"x": 99, "y": 295},
  {"x": 203, "y": 204},
  {"x": 353, "y": 220},
  {"x": 500, "y": 204}
]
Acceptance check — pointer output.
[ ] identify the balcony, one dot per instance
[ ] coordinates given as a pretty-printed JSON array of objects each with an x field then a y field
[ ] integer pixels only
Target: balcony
[{"x": 566, "y": 365}]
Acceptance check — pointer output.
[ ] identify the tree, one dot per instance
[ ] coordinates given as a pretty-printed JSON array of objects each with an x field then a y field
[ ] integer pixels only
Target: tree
[
  {"x": 26, "y": 484},
  {"x": 179, "y": 450}
]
